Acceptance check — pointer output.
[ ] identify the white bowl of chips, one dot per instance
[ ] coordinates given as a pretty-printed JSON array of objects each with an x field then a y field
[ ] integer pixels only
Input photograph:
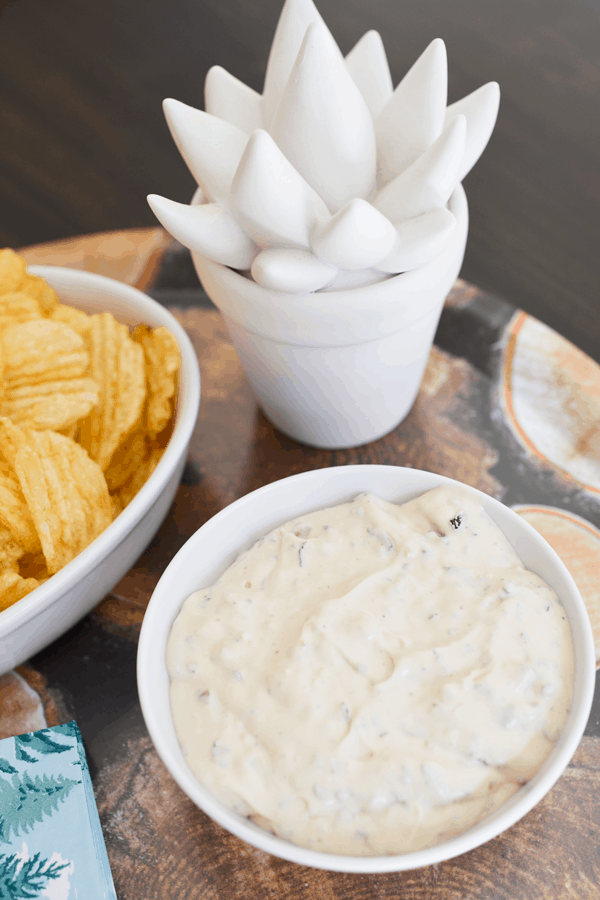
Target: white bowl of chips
[{"x": 86, "y": 539}]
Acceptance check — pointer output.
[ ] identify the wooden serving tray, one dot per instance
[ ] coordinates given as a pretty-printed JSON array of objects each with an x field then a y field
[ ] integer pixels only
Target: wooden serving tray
[{"x": 507, "y": 406}]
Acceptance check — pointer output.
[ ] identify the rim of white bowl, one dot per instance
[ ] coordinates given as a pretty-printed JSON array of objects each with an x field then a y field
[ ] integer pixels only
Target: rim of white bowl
[
  {"x": 188, "y": 402},
  {"x": 151, "y": 653}
]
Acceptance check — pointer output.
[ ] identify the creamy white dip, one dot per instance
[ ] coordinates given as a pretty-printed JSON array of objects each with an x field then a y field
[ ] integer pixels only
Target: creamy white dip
[{"x": 372, "y": 678}]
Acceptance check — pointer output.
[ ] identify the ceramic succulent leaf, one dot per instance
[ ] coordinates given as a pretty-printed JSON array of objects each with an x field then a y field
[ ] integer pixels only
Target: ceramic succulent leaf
[
  {"x": 294, "y": 21},
  {"x": 330, "y": 169},
  {"x": 327, "y": 135},
  {"x": 211, "y": 147},
  {"x": 357, "y": 237},
  {"x": 271, "y": 200},
  {"x": 208, "y": 229},
  {"x": 480, "y": 110},
  {"x": 293, "y": 270},
  {"x": 418, "y": 240},
  {"x": 369, "y": 69},
  {"x": 413, "y": 117},
  {"x": 228, "y": 98},
  {"x": 428, "y": 183}
]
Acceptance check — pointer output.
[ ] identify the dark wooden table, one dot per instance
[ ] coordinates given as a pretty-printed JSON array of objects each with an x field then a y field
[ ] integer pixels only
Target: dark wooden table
[
  {"x": 491, "y": 370},
  {"x": 84, "y": 140}
]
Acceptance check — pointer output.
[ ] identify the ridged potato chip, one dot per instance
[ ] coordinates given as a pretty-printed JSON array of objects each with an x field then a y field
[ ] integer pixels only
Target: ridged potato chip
[
  {"x": 72, "y": 317},
  {"x": 54, "y": 405},
  {"x": 17, "y": 306},
  {"x": 13, "y": 270},
  {"x": 71, "y": 432},
  {"x": 41, "y": 291},
  {"x": 14, "y": 512},
  {"x": 2, "y": 365},
  {"x": 140, "y": 476},
  {"x": 13, "y": 587},
  {"x": 162, "y": 365},
  {"x": 42, "y": 350},
  {"x": 126, "y": 459},
  {"x": 117, "y": 364},
  {"x": 65, "y": 490},
  {"x": 10, "y": 550}
]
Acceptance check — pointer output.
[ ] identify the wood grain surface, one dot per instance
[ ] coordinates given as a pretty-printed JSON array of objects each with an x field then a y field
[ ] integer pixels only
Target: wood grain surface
[
  {"x": 159, "y": 844},
  {"x": 84, "y": 139}
]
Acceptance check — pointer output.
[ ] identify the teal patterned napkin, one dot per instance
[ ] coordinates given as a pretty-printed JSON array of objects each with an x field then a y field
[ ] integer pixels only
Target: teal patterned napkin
[{"x": 51, "y": 843}]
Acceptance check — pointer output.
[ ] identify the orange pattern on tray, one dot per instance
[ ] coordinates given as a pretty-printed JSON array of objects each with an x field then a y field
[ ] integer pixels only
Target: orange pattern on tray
[
  {"x": 550, "y": 392},
  {"x": 577, "y": 542},
  {"x": 131, "y": 255}
]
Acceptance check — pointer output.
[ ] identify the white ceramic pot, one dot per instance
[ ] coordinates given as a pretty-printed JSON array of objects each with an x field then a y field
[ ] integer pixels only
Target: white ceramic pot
[{"x": 340, "y": 368}]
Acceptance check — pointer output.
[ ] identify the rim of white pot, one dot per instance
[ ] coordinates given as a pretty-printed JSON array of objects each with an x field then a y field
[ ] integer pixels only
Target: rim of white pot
[{"x": 338, "y": 318}]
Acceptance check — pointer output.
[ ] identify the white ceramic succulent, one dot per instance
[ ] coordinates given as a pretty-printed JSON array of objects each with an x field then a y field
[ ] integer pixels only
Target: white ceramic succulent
[{"x": 331, "y": 179}]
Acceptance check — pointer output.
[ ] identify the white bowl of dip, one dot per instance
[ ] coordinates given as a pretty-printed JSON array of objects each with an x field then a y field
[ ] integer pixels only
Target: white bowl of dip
[
  {"x": 216, "y": 545},
  {"x": 51, "y": 609}
]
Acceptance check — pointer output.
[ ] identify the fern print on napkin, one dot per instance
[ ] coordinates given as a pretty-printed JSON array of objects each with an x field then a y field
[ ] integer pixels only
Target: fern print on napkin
[{"x": 51, "y": 843}]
